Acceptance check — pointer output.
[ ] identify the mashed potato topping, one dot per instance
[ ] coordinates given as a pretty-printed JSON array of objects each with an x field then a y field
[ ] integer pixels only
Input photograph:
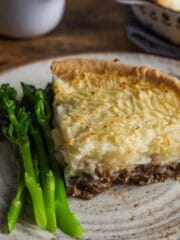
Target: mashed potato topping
[{"x": 114, "y": 121}]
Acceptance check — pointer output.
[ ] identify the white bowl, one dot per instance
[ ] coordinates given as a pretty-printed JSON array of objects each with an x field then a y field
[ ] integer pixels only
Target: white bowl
[
  {"x": 29, "y": 18},
  {"x": 163, "y": 21}
]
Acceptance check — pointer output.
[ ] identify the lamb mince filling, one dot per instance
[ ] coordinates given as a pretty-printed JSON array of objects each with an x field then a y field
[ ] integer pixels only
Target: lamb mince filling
[{"x": 110, "y": 127}]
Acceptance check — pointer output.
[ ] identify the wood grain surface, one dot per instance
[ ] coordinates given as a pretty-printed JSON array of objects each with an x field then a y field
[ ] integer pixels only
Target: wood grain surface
[{"x": 87, "y": 26}]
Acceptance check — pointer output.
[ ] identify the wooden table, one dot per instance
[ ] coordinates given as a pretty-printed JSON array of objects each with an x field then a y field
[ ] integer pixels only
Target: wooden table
[{"x": 87, "y": 26}]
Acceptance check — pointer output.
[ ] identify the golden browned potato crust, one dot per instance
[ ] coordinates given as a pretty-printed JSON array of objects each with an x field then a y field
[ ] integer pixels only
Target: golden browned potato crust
[
  {"x": 85, "y": 185},
  {"x": 69, "y": 68}
]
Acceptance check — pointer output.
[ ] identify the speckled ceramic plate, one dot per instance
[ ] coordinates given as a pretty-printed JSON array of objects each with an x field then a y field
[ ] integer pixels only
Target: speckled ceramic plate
[{"x": 122, "y": 213}]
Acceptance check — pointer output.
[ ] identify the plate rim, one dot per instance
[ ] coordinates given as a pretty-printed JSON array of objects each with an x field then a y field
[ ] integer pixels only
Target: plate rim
[
  {"x": 78, "y": 55},
  {"x": 31, "y": 64}
]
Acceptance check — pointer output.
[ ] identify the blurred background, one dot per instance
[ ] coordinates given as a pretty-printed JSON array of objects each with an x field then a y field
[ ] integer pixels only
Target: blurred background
[{"x": 86, "y": 26}]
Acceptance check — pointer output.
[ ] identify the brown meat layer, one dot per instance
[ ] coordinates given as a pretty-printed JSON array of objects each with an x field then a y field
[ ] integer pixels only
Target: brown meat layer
[{"x": 86, "y": 187}]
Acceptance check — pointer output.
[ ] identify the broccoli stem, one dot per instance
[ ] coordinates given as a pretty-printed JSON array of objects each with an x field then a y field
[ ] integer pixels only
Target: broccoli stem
[
  {"x": 18, "y": 200},
  {"x": 50, "y": 146},
  {"x": 37, "y": 200},
  {"x": 66, "y": 220},
  {"x": 16, "y": 206},
  {"x": 47, "y": 179},
  {"x": 27, "y": 157},
  {"x": 41, "y": 153},
  {"x": 32, "y": 184},
  {"x": 49, "y": 196}
]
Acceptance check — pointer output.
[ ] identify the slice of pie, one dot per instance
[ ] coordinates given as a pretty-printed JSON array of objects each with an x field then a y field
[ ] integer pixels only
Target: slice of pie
[
  {"x": 114, "y": 123},
  {"x": 171, "y": 4}
]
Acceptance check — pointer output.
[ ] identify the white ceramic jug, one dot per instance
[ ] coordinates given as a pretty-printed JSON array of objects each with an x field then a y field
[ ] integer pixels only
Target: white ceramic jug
[{"x": 29, "y": 18}]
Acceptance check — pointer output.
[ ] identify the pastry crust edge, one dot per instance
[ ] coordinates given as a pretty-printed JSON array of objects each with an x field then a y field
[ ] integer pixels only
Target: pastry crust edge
[{"x": 66, "y": 69}]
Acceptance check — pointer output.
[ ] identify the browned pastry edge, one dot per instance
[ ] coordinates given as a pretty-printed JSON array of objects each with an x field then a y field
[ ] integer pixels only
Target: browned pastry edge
[
  {"x": 85, "y": 186},
  {"x": 69, "y": 68}
]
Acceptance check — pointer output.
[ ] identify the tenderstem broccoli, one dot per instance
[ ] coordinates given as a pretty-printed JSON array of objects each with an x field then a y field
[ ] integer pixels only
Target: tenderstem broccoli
[
  {"x": 46, "y": 174},
  {"x": 40, "y": 103},
  {"x": 27, "y": 125},
  {"x": 15, "y": 125},
  {"x": 18, "y": 201},
  {"x": 47, "y": 179}
]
